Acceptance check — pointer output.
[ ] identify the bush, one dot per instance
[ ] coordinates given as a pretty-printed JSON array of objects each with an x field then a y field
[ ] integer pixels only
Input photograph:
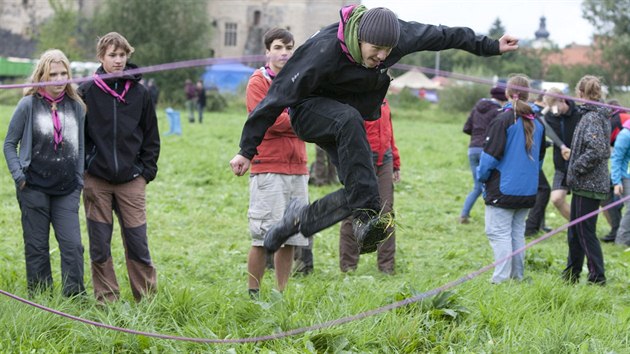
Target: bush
[{"x": 462, "y": 98}]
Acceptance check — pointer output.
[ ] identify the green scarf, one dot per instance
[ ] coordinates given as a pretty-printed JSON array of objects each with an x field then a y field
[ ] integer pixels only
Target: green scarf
[{"x": 351, "y": 33}]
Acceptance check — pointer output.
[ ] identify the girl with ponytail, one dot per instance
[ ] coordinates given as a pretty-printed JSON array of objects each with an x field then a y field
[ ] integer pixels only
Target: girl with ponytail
[{"x": 509, "y": 168}]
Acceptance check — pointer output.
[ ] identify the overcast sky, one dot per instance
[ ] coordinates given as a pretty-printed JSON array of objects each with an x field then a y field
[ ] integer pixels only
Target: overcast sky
[{"x": 520, "y": 18}]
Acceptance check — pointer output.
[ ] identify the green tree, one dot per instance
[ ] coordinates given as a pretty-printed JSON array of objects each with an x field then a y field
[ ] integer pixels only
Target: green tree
[
  {"x": 497, "y": 29},
  {"x": 61, "y": 31},
  {"x": 611, "y": 18},
  {"x": 161, "y": 31}
]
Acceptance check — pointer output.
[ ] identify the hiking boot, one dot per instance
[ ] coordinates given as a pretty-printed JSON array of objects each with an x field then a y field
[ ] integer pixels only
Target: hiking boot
[
  {"x": 370, "y": 232},
  {"x": 288, "y": 226},
  {"x": 463, "y": 220}
]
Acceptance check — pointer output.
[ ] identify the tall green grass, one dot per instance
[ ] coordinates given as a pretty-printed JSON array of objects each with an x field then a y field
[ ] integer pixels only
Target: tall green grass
[{"x": 198, "y": 235}]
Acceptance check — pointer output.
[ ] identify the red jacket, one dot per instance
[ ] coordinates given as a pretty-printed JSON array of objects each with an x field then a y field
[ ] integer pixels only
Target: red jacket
[
  {"x": 281, "y": 151},
  {"x": 380, "y": 134}
]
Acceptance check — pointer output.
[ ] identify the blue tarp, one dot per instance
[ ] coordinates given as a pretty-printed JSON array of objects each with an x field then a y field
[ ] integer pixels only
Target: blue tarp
[{"x": 226, "y": 77}]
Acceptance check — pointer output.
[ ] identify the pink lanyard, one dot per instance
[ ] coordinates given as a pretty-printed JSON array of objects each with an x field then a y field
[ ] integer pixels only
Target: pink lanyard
[
  {"x": 58, "y": 138},
  {"x": 103, "y": 86}
]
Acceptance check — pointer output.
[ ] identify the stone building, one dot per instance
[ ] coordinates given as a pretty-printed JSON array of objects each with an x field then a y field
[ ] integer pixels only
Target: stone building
[{"x": 237, "y": 25}]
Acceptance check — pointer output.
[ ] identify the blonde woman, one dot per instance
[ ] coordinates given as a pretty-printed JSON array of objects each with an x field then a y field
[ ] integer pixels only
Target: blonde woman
[
  {"x": 44, "y": 151},
  {"x": 588, "y": 178}
]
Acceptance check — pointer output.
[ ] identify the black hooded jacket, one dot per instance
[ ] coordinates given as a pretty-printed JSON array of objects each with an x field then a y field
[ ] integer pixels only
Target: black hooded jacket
[
  {"x": 319, "y": 67},
  {"x": 479, "y": 119},
  {"x": 122, "y": 140}
]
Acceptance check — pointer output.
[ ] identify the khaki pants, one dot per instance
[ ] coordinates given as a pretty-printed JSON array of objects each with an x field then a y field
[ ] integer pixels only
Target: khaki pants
[{"x": 127, "y": 200}]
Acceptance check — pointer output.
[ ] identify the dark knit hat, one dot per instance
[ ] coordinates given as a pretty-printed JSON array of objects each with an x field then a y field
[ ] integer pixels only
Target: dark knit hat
[
  {"x": 379, "y": 26},
  {"x": 498, "y": 93}
]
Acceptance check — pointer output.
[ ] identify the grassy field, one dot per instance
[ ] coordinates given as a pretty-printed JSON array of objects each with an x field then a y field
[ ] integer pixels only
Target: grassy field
[{"x": 199, "y": 240}]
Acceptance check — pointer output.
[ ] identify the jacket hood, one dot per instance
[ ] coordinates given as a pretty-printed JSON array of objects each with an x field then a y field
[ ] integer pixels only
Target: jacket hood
[
  {"x": 129, "y": 66},
  {"x": 486, "y": 104},
  {"x": 589, "y": 107}
]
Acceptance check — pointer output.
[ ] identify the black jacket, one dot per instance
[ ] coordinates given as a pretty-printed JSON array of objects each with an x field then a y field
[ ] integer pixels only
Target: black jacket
[
  {"x": 479, "y": 119},
  {"x": 564, "y": 126},
  {"x": 122, "y": 140},
  {"x": 320, "y": 68}
]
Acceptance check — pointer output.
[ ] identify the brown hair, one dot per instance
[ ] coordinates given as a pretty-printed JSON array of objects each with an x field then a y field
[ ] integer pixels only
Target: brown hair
[
  {"x": 589, "y": 87},
  {"x": 517, "y": 93},
  {"x": 115, "y": 39},
  {"x": 551, "y": 100},
  {"x": 277, "y": 33},
  {"x": 41, "y": 73}
]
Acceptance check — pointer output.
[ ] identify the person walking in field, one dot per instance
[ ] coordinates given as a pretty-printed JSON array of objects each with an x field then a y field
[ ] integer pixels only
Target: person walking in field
[
  {"x": 44, "y": 150},
  {"x": 476, "y": 125}
]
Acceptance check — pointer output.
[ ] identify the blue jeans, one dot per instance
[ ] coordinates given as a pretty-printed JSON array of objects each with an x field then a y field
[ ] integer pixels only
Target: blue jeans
[
  {"x": 474, "y": 153},
  {"x": 506, "y": 232}
]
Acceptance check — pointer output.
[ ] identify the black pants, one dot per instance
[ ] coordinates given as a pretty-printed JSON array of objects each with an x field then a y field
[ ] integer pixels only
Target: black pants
[
  {"x": 536, "y": 217},
  {"x": 39, "y": 212},
  {"x": 338, "y": 129},
  {"x": 583, "y": 242}
]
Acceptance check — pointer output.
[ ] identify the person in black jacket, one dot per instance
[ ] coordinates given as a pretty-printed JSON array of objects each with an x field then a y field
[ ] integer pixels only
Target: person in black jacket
[
  {"x": 122, "y": 146},
  {"x": 333, "y": 82},
  {"x": 478, "y": 121}
]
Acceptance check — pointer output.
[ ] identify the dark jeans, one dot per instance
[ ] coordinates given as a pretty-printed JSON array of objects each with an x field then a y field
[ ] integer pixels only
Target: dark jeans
[
  {"x": 39, "y": 211},
  {"x": 583, "y": 242},
  {"x": 536, "y": 217},
  {"x": 339, "y": 130}
]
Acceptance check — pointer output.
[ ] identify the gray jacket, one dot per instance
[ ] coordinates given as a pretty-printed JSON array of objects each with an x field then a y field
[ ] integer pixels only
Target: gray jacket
[
  {"x": 20, "y": 133},
  {"x": 590, "y": 151}
]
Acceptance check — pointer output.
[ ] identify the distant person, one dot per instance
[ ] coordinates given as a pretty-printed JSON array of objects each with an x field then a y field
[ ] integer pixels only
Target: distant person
[
  {"x": 535, "y": 221},
  {"x": 322, "y": 172},
  {"x": 613, "y": 215},
  {"x": 509, "y": 168},
  {"x": 587, "y": 176},
  {"x": 201, "y": 99},
  {"x": 619, "y": 165},
  {"x": 380, "y": 134},
  {"x": 122, "y": 149},
  {"x": 279, "y": 172},
  {"x": 44, "y": 150},
  {"x": 335, "y": 81},
  {"x": 154, "y": 92},
  {"x": 562, "y": 117},
  {"x": 479, "y": 119},
  {"x": 191, "y": 97}
]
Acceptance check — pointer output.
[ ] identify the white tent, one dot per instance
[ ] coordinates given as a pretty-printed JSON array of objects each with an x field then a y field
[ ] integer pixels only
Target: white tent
[{"x": 413, "y": 79}]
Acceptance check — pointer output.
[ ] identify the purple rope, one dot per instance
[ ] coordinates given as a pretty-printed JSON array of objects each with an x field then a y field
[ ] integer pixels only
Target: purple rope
[
  {"x": 331, "y": 323},
  {"x": 261, "y": 58}
]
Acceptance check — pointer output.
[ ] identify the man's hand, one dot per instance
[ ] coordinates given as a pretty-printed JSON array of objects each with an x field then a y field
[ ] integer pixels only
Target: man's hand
[
  {"x": 508, "y": 43},
  {"x": 566, "y": 152},
  {"x": 239, "y": 164}
]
